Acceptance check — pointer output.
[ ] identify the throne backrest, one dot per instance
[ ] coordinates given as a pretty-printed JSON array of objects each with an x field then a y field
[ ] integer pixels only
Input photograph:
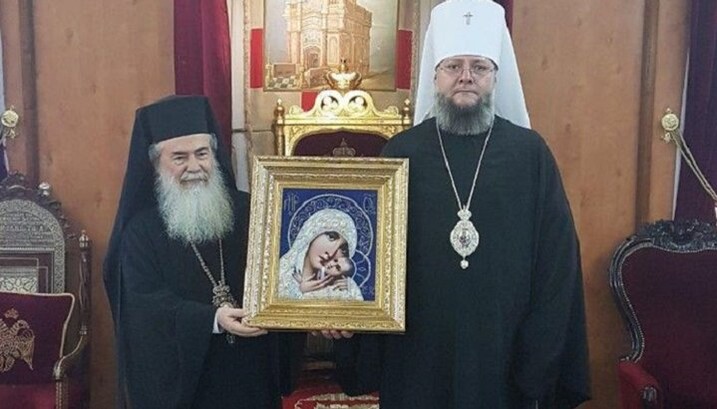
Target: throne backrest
[
  {"x": 339, "y": 124},
  {"x": 43, "y": 326},
  {"x": 665, "y": 281}
]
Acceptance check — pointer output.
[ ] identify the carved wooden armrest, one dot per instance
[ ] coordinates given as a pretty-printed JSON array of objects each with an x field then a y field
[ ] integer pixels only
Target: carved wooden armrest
[{"x": 61, "y": 366}]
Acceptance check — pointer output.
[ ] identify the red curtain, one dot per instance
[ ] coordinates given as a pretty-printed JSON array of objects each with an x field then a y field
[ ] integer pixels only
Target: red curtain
[
  {"x": 508, "y": 6},
  {"x": 202, "y": 59},
  {"x": 700, "y": 130}
]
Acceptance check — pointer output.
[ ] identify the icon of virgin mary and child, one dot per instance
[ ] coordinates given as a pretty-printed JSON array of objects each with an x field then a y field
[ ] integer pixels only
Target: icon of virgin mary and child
[{"x": 321, "y": 262}]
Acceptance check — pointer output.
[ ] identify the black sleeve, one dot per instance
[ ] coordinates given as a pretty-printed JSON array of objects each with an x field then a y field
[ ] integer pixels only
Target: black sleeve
[
  {"x": 166, "y": 338},
  {"x": 552, "y": 358}
]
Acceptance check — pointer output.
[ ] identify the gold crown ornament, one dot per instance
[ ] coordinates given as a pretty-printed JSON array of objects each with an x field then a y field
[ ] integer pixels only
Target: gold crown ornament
[{"x": 343, "y": 79}]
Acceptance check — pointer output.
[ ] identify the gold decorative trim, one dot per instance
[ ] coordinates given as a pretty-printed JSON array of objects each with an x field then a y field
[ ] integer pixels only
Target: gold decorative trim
[
  {"x": 324, "y": 401},
  {"x": 352, "y": 111}
]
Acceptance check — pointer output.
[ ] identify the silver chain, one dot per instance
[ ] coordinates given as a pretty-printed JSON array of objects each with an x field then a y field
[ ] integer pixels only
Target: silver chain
[
  {"x": 448, "y": 166},
  {"x": 208, "y": 273}
]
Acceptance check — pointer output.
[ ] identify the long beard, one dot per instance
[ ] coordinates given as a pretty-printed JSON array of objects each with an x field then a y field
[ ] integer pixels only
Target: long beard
[
  {"x": 200, "y": 213},
  {"x": 470, "y": 120}
]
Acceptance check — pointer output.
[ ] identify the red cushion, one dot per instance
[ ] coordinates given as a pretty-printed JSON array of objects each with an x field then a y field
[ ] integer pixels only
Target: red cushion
[
  {"x": 364, "y": 144},
  {"x": 39, "y": 396},
  {"x": 673, "y": 296},
  {"x": 32, "y": 334}
]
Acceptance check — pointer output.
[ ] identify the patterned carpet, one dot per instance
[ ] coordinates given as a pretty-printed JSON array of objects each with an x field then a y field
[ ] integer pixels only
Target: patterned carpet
[{"x": 319, "y": 392}]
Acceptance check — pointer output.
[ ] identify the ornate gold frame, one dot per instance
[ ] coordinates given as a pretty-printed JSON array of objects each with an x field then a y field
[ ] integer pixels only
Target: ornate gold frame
[
  {"x": 352, "y": 111},
  {"x": 271, "y": 175}
]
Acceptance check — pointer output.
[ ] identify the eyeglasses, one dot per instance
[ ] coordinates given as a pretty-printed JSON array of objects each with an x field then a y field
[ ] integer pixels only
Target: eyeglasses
[{"x": 477, "y": 70}]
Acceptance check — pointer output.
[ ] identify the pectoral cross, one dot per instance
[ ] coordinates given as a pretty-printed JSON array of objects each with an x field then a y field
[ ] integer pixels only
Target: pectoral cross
[{"x": 468, "y": 18}]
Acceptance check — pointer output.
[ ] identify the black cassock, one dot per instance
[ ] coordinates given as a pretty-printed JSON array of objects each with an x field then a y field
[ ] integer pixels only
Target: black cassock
[
  {"x": 508, "y": 331},
  {"x": 172, "y": 358}
]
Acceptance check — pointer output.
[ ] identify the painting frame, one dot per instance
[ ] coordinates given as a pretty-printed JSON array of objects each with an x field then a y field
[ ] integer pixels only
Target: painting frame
[{"x": 328, "y": 188}]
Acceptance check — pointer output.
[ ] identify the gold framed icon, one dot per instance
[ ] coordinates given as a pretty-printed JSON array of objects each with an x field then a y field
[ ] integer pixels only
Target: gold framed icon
[{"x": 327, "y": 244}]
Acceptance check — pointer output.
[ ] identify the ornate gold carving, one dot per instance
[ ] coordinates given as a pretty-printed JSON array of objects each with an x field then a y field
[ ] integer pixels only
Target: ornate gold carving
[
  {"x": 17, "y": 342},
  {"x": 9, "y": 120},
  {"x": 343, "y": 79},
  {"x": 333, "y": 111},
  {"x": 670, "y": 123}
]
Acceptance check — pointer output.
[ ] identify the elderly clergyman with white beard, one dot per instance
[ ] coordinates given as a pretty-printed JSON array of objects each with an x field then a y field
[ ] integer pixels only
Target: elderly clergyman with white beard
[
  {"x": 494, "y": 308},
  {"x": 174, "y": 271}
]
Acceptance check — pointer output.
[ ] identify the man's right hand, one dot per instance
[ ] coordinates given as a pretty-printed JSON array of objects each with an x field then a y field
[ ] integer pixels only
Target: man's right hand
[{"x": 230, "y": 319}]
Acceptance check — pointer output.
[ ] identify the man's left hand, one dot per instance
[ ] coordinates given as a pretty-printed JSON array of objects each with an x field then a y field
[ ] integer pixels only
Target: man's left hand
[{"x": 231, "y": 320}]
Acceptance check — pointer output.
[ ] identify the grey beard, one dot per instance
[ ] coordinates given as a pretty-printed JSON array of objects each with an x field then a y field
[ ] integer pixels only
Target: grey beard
[
  {"x": 471, "y": 120},
  {"x": 200, "y": 213}
]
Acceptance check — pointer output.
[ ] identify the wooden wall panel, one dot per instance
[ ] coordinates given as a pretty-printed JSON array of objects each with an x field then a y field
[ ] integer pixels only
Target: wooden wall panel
[
  {"x": 582, "y": 68},
  {"x": 671, "y": 62},
  {"x": 97, "y": 61}
]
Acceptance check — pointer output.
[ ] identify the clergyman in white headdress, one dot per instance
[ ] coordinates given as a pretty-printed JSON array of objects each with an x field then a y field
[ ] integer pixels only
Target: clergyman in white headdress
[{"x": 494, "y": 309}]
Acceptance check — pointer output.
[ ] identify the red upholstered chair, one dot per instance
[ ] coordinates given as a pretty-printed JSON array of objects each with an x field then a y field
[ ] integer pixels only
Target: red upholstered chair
[
  {"x": 44, "y": 330},
  {"x": 665, "y": 281},
  {"x": 339, "y": 124}
]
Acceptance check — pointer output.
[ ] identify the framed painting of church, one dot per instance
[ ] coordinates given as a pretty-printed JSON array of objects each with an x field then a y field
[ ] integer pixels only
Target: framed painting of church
[
  {"x": 327, "y": 244},
  {"x": 303, "y": 40}
]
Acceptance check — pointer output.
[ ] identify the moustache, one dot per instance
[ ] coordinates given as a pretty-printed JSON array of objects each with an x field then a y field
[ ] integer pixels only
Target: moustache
[
  {"x": 458, "y": 91},
  {"x": 192, "y": 177}
]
